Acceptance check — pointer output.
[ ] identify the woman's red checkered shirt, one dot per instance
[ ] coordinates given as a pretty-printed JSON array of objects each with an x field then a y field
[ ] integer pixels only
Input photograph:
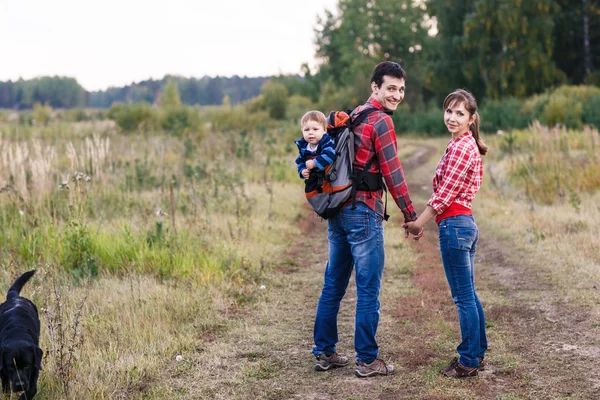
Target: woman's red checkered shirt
[{"x": 458, "y": 174}]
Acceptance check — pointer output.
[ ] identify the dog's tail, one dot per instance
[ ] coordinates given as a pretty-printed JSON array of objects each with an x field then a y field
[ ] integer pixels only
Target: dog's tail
[{"x": 16, "y": 287}]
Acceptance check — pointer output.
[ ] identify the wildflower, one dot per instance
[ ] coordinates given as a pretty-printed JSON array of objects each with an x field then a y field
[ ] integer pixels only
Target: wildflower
[
  {"x": 262, "y": 287},
  {"x": 21, "y": 212},
  {"x": 178, "y": 357},
  {"x": 161, "y": 213}
]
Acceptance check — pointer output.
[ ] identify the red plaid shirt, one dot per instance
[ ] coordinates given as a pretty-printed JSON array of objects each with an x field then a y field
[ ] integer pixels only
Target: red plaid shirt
[
  {"x": 375, "y": 139},
  {"x": 458, "y": 175}
]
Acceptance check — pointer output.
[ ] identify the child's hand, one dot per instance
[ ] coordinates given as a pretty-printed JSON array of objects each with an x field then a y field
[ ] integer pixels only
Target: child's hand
[
  {"x": 305, "y": 173},
  {"x": 310, "y": 164}
]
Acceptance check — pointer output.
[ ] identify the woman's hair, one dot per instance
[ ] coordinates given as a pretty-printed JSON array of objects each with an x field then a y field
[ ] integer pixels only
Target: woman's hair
[
  {"x": 316, "y": 116},
  {"x": 466, "y": 98}
]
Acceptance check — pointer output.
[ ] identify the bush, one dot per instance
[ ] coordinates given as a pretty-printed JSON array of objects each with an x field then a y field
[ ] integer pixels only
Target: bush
[
  {"x": 298, "y": 106},
  {"x": 573, "y": 106},
  {"x": 429, "y": 122},
  {"x": 562, "y": 110},
  {"x": 131, "y": 117},
  {"x": 275, "y": 97},
  {"x": 41, "y": 114},
  {"x": 502, "y": 115},
  {"x": 180, "y": 120}
]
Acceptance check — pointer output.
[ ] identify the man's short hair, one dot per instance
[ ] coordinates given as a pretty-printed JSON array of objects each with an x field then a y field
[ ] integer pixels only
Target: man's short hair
[
  {"x": 316, "y": 116},
  {"x": 389, "y": 68}
]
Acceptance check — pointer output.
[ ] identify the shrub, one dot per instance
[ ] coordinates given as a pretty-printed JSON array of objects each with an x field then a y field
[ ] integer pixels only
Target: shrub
[
  {"x": 131, "y": 117},
  {"x": 180, "y": 120},
  {"x": 502, "y": 114},
  {"x": 563, "y": 110},
  {"x": 275, "y": 97}
]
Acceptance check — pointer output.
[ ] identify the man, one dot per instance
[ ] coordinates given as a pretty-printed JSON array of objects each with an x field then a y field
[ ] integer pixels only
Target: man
[{"x": 356, "y": 232}]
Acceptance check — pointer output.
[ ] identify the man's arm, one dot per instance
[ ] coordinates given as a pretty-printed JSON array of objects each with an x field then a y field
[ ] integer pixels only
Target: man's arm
[{"x": 386, "y": 149}]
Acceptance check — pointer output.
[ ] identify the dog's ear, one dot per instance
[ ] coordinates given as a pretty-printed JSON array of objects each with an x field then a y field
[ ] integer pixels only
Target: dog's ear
[{"x": 39, "y": 354}]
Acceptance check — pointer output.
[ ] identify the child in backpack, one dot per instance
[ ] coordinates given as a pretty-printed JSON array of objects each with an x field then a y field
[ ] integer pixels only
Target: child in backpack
[{"x": 316, "y": 150}]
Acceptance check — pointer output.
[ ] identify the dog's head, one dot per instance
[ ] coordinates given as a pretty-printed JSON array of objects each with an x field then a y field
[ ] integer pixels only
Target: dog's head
[{"x": 19, "y": 360}]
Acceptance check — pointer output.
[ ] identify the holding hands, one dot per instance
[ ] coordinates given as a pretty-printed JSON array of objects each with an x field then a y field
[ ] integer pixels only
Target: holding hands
[{"x": 414, "y": 229}]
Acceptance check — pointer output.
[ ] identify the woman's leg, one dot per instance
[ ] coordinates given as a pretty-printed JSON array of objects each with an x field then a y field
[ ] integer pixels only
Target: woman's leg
[{"x": 457, "y": 235}]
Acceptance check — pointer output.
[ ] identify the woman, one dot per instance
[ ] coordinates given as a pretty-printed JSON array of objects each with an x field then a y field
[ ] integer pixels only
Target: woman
[{"x": 457, "y": 178}]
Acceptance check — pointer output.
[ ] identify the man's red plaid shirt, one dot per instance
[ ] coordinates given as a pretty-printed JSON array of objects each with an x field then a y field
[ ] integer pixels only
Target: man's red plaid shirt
[
  {"x": 375, "y": 139},
  {"x": 458, "y": 175}
]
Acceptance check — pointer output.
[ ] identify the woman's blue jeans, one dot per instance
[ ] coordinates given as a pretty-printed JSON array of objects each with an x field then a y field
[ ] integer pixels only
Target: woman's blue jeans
[
  {"x": 458, "y": 242},
  {"x": 355, "y": 240}
]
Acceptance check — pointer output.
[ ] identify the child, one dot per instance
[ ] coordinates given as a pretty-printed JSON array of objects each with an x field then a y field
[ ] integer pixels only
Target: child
[{"x": 316, "y": 148}]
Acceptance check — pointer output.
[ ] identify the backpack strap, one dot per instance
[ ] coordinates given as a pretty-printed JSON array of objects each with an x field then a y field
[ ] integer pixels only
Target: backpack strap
[{"x": 353, "y": 122}]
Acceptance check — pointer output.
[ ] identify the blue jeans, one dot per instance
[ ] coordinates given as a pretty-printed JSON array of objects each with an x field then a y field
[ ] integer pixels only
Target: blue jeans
[
  {"x": 355, "y": 240},
  {"x": 458, "y": 242}
]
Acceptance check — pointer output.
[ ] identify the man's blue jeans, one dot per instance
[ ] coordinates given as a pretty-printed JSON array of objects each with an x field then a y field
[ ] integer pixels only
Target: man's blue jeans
[
  {"x": 458, "y": 242},
  {"x": 355, "y": 240}
]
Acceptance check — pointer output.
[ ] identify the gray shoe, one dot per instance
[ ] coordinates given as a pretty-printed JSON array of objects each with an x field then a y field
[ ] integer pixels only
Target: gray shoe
[
  {"x": 377, "y": 367},
  {"x": 324, "y": 362}
]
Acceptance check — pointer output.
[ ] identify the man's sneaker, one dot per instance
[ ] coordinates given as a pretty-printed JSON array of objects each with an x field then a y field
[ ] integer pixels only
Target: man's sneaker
[
  {"x": 324, "y": 362},
  {"x": 377, "y": 367},
  {"x": 456, "y": 370}
]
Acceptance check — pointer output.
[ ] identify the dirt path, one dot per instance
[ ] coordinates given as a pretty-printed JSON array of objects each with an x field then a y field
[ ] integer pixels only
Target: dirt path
[{"x": 539, "y": 349}]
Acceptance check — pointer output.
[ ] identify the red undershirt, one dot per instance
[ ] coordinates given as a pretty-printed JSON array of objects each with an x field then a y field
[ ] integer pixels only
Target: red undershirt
[{"x": 452, "y": 211}]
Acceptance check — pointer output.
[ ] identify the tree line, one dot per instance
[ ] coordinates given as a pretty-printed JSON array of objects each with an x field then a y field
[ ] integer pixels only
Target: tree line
[
  {"x": 497, "y": 49},
  {"x": 66, "y": 92}
]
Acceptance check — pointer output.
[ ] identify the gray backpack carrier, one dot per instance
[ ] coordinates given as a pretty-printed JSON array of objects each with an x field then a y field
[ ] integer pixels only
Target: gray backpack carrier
[{"x": 340, "y": 181}]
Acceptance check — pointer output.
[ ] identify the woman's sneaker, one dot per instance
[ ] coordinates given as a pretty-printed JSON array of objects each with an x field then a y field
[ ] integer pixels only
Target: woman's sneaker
[
  {"x": 377, "y": 367},
  {"x": 482, "y": 363},
  {"x": 324, "y": 362},
  {"x": 456, "y": 370}
]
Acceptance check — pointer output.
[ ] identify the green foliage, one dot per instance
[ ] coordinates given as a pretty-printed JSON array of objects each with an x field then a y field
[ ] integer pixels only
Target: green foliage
[
  {"x": 503, "y": 114},
  {"x": 560, "y": 110},
  {"x": 41, "y": 113},
  {"x": 238, "y": 118},
  {"x": 181, "y": 120},
  {"x": 298, "y": 106},
  {"x": 275, "y": 99},
  {"x": 573, "y": 106},
  {"x": 170, "y": 96},
  {"x": 57, "y": 92},
  {"x": 511, "y": 46},
  {"x": 428, "y": 122},
  {"x": 131, "y": 117}
]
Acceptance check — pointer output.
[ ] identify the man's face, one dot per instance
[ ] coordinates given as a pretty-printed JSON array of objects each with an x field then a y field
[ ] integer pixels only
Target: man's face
[{"x": 391, "y": 92}]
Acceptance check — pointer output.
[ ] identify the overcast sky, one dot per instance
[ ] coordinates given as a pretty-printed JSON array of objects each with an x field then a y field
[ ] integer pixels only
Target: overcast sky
[{"x": 115, "y": 42}]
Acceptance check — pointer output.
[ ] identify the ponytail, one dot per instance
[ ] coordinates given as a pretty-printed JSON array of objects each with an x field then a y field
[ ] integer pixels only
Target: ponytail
[{"x": 483, "y": 149}]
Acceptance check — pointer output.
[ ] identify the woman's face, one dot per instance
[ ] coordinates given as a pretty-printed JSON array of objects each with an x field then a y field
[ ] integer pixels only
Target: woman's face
[{"x": 457, "y": 118}]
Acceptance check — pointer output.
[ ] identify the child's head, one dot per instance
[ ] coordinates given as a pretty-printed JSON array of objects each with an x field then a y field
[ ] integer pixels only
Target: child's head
[{"x": 314, "y": 126}]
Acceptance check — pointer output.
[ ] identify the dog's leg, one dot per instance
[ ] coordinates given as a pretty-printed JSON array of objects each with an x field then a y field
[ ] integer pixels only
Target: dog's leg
[
  {"x": 28, "y": 395},
  {"x": 5, "y": 382}
]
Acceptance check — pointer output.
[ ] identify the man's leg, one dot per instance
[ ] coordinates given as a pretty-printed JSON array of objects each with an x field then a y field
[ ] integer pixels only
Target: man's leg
[
  {"x": 337, "y": 275},
  {"x": 365, "y": 234}
]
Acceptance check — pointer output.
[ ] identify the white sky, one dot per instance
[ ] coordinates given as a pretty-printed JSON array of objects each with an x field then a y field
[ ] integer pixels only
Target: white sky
[{"x": 115, "y": 42}]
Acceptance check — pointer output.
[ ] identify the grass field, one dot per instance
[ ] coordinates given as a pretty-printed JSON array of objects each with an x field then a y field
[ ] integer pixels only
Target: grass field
[{"x": 150, "y": 246}]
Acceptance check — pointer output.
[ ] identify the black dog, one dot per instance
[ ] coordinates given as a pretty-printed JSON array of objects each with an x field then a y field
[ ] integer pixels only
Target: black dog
[{"x": 20, "y": 354}]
